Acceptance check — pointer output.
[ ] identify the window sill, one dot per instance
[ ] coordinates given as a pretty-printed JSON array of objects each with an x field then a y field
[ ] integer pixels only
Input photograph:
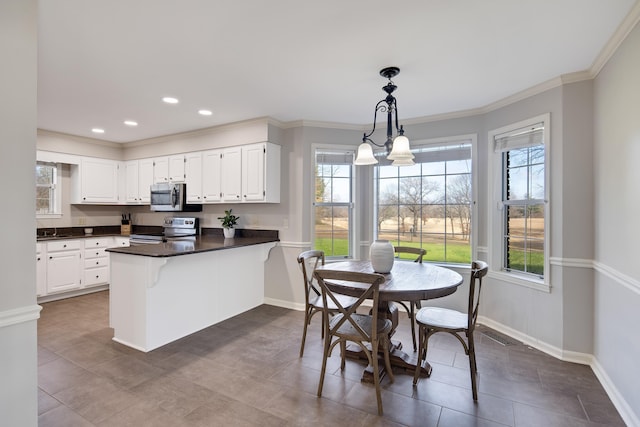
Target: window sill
[
  {"x": 520, "y": 280},
  {"x": 48, "y": 216}
]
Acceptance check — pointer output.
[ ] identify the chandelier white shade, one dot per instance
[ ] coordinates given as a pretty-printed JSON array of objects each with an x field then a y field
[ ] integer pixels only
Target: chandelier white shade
[{"x": 365, "y": 155}]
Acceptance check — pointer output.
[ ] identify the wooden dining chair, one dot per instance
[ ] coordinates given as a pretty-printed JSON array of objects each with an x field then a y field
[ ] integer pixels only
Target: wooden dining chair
[
  {"x": 411, "y": 306},
  {"x": 433, "y": 319},
  {"x": 309, "y": 261},
  {"x": 348, "y": 325}
]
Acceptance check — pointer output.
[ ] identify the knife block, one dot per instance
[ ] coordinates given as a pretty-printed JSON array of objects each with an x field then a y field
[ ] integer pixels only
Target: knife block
[{"x": 125, "y": 229}]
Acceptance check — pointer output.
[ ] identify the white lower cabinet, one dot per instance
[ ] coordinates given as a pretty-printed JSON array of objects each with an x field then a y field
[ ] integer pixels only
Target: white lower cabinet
[
  {"x": 41, "y": 269},
  {"x": 73, "y": 265},
  {"x": 96, "y": 261},
  {"x": 63, "y": 265}
]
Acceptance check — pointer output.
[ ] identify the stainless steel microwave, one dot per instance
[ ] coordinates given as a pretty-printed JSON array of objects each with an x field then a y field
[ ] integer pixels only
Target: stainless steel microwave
[{"x": 171, "y": 197}]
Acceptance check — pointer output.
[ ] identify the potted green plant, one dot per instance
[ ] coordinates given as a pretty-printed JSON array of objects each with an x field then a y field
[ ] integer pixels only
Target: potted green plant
[{"x": 229, "y": 220}]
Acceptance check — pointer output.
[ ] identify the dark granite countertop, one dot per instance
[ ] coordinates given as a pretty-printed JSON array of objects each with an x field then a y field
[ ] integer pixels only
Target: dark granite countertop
[{"x": 204, "y": 243}]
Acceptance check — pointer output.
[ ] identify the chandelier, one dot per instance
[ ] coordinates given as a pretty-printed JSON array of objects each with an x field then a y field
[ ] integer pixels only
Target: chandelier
[{"x": 398, "y": 149}]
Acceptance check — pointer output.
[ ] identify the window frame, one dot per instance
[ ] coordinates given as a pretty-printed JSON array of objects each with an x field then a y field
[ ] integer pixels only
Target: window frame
[
  {"x": 351, "y": 205},
  {"x": 57, "y": 190},
  {"x": 438, "y": 142},
  {"x": 497, "y": 252}
]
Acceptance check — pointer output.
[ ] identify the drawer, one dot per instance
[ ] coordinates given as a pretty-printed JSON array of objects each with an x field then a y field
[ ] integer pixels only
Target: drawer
[
  {"x": 96, "y": 262},
  {"x": 97, "y": 242},
  {"x": 63, "y": 245},
  {"x": 39, "y": 248},
  {"x": 95, "y": 253},
  {"x": 96, "y": 276}
]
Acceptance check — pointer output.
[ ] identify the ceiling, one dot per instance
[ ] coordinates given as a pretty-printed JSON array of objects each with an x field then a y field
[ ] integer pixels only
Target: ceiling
[{"x": 103, "y": 62}]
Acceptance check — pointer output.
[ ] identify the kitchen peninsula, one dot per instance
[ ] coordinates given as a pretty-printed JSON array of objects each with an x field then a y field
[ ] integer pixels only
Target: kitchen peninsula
[{"x": 162, "y": 292}]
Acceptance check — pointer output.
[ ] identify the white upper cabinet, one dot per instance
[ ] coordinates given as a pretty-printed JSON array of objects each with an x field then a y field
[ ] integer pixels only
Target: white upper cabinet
[
  {"x": 95, "y": 181},
  {"x": 139, "y": 177},
  {"x": 239, "y": 174},
  {"x": 177, "y": 168},
  {"x": 161, "y": 169},
  {"x": 261, "y": 173},
  {"x": 211, "y": 174},
  {"x": 131, "y": 181},
  {"x": 231, "y": 177},
  {"x": 145, "y": 179},
  {"x": 169, "y": 168},
  {"x": 193, "y": 177}
]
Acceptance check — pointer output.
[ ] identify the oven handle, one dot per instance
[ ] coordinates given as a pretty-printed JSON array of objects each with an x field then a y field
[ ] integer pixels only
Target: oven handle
[{"x": 174, "y": 196}]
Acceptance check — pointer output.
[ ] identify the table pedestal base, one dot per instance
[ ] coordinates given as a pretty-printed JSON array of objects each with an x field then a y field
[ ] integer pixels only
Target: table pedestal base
[{"x": 397, "y": 357}]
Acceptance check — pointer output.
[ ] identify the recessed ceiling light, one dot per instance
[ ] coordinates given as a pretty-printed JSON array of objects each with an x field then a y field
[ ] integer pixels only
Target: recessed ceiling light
[
  {"x": 170, "y": 100},
  {"x": 97, "y": 130},
  {"x": 130, "y": 123},
  {"x": 205, "y": 112}
]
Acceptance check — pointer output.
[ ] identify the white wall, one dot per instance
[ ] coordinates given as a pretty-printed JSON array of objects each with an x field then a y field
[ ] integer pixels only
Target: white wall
[
  {"x": 18, "y": 309},
  {"x": 617, "y": 231}
]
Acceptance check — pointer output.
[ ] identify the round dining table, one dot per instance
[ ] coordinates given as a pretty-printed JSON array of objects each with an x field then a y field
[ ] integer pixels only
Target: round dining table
[{"x": 407, "y": 281}]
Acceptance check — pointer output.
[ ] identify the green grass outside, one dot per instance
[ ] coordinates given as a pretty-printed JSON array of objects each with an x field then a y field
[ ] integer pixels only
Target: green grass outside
[
  {"x": 459, "y": 253},
  {"x": 456, "y": 252},
  {"x": 535, "y": 261}
]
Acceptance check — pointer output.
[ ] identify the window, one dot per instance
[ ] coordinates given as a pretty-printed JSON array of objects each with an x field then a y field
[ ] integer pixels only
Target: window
[
  {"x": 519, "y": 158},
  {"x": 429, "y": 205},
  {"x": 47, "y": 189},
  {"x": 333, "y": 219}
]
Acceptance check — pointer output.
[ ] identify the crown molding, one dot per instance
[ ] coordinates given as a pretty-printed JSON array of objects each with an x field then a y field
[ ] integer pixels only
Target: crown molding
[
  {"x": 198, "y": 132},
  {"x": 83, "y": 139},
  {"x": 621, "y": 33}
]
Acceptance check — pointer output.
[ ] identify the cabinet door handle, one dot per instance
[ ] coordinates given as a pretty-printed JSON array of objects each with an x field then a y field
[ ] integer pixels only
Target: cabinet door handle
[
  {"x": 50, "y": 257},
  {"x": 64, "y": 246},
  {"x": 97, "y": 262},
  {"x": 38, "y": 258}
]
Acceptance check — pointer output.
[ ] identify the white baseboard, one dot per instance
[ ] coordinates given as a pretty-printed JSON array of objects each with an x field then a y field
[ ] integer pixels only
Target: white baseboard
[
  {"x": 626, "y": 412},
  {"x": 70, "y": 294},
  {"x": 284, "y": 304}
]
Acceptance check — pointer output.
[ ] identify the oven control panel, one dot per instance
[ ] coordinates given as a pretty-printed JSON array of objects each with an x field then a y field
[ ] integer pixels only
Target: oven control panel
[{"x": 181, "y": 222}]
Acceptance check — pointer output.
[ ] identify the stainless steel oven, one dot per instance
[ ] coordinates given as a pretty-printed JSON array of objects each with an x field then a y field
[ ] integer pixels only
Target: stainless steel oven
[{"x": 174, "y": 229}]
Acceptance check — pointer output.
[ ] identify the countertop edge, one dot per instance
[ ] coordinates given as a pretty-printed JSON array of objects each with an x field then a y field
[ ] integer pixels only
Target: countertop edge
[{"x": 180, "y": 248}]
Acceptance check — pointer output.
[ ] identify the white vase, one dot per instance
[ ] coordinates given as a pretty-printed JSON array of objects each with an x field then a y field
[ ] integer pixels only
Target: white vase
[
  {"x": 381, "y": 255},
  {"x": 229, "y": 233}
]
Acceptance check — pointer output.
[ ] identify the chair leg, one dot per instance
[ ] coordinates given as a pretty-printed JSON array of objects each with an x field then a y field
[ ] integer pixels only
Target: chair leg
[
  {"x": 343, "y": 352},
  {"x": 473, "y": 367},
  {"x": 422, "y": 352},
  {"x": 412, "y": 319},
  {"x": 376, "y": 374},
  {"x": 307, "y": 319},
  {"x": 327, "y": 343}
]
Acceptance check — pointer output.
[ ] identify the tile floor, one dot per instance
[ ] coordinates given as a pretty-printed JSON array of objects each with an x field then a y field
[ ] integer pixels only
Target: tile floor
[{"x": 246, "y": 371}]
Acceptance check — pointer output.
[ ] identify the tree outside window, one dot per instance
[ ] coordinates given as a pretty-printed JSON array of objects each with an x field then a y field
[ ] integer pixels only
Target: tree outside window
[
  {"x": 46, "y": 184},
  {"x": 333, "y": 222},
  {"x": 519, "y": 236},
  {"x": 428, "y": 205}
]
